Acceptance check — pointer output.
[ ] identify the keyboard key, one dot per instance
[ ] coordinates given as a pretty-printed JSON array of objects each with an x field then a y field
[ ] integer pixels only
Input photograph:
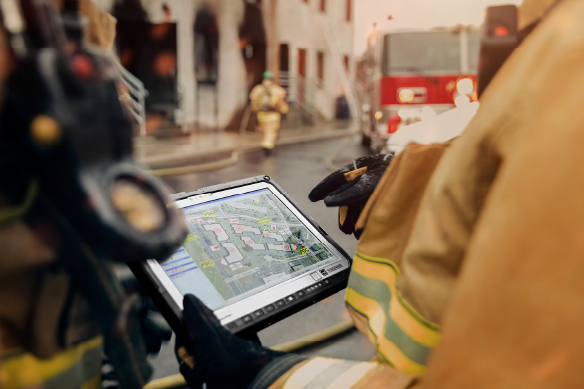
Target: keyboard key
[
  {"x": 270, "y": 308},
  {"x": 247, "y": 319},
  {"x": 300, "y": 294},
  {"x": 290, "y": 298},
  {"x": 258, "y": 313},
  {"x": 280, "y": 303}
]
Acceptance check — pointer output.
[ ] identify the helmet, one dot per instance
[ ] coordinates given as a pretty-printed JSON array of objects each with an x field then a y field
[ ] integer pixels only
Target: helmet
[{"x": 268, "y": 75}]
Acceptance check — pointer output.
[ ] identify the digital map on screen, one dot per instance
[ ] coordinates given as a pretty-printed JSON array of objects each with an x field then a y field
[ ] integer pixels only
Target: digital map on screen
[{"x": 240, "y": 244}]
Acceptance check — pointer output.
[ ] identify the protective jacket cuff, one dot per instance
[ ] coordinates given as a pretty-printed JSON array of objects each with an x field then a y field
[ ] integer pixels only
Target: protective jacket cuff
[{"x": 274, "y": 370}]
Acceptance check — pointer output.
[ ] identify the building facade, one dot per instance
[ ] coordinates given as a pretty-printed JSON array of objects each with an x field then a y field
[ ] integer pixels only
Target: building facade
[
  {"x": 200, "y": 58},
  {"x": 313, "y": 75}
]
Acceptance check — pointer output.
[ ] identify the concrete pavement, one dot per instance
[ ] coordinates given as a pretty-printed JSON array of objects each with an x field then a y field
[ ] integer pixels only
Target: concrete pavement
[{"x": 207, "y": 145}]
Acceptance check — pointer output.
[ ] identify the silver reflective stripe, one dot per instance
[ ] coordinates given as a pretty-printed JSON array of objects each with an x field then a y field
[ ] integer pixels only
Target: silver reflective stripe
[
  {"x": 352, "y": 376},
  {"x": 328, "y": 375}
]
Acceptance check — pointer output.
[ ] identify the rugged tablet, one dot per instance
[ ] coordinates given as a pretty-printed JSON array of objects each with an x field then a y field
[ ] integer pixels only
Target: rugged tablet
[{"x": 251, "y": 255}]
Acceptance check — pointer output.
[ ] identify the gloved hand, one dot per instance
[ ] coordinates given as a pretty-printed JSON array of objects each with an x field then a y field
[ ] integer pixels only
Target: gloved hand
[
  {"x": 350, "y": 187},
  {"x": 216, "y": 356}
]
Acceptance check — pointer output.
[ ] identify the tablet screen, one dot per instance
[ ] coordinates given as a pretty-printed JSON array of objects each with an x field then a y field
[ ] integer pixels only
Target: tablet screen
[{"x": 243, "y": 244}]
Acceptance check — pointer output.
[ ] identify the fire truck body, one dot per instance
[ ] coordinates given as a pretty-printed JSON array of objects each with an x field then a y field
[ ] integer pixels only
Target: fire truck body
[{"x": 423, "y": 73}]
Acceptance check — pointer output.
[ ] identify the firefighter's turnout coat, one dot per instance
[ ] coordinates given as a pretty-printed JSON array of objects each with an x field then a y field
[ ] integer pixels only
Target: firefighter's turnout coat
[
  {"x": 269, "y": 103},
  {"x": 470, "y": 271}
]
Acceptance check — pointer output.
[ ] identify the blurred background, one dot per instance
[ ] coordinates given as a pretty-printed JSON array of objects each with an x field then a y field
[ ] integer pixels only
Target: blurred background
[{"x": 355, "y": 73}]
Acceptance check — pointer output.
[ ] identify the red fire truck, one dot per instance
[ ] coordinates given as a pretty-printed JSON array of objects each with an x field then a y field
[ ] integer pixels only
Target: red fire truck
[{"x": 422, "y": 74}]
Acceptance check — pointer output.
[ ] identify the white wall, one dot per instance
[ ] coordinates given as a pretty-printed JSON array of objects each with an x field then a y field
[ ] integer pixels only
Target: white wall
[{"x": 300, "y": 28}]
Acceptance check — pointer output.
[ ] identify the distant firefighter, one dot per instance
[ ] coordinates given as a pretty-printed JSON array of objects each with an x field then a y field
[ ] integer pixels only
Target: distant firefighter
[{"x": 268, "y": 100}]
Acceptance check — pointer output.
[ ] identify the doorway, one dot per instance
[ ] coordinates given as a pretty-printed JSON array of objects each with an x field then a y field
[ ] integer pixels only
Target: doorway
[
  {"x": 149, "y": 52},
  {"x": 302, "y": 75}
]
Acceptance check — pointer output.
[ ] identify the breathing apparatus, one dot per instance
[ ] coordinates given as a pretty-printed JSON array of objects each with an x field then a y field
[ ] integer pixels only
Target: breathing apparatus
[
  {"x": 66, "y": 156},
  {"x": 62, "y": 116}
]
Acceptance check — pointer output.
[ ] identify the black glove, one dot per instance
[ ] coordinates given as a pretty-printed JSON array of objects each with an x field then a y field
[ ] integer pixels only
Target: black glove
[
  {"x": 350, "y": 187},
  {"x": 216, "y": 356}
]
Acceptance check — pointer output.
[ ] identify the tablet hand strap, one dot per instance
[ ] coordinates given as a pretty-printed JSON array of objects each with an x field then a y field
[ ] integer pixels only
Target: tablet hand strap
[{"x": 216, "y": 356}]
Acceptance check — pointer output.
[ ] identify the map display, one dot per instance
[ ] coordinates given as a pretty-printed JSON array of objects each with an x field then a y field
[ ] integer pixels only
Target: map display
[{"x": 240, "y": 245}]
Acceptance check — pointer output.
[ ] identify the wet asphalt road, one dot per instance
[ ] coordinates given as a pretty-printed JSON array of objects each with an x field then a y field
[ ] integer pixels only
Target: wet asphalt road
[{"x": 297, "y": 169}]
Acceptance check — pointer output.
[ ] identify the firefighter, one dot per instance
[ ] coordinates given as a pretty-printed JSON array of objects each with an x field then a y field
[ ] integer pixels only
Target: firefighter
[
  {"x": 268, "y": 101},
  {"x": 468, "y": 272},
  {"x": 61, "y": 306}
]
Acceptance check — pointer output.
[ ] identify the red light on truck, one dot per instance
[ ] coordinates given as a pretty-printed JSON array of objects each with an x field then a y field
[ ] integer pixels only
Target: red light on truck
[
  {"x": 501, "y": 31},
  {"x": 393, "y": 123}
]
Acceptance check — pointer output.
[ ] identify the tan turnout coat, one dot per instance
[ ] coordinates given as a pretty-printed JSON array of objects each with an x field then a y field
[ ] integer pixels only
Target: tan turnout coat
[{"x": 470, "y": 271}]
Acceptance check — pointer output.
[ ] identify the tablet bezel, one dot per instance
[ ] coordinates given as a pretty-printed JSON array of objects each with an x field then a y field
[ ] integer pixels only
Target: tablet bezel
[{"x": 169, "y": 299}]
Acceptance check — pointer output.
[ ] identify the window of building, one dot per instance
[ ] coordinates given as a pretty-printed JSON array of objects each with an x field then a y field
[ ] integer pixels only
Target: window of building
[
  {"x": 320, "y": 67},
  {"x": 302, "y": 74},
  {"x": 349, "y": 9},
  {"x": 346, "y": 62},
  {"x": 322, "y": 5},
  {"x": 426, "y": 52},
  {"x": 284, "y": 57},
  {"x": 302, "y": 62}
]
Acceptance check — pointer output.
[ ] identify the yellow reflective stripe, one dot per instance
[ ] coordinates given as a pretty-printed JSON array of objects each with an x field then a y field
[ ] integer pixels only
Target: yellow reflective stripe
[
  {"x": 268, "y": 117},
  {"x": 301, "y": 377},
  {"x": 93, "y": 383},
  {"x": 7, "y": 214},
  {"x": 352, "y": 376},
  {"x": 28, "y": 370},
  {"x": 418, "y": 328},
  {"x": 377, "y": 319},
  {"x": 371, "y": 309}
]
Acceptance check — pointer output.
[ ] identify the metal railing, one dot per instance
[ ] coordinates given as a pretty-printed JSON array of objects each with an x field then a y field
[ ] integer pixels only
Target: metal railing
[
  {"x": 306, "y": 95},
  {"x": 302, "y": 91},
  {"x": 138, "y": 94}
]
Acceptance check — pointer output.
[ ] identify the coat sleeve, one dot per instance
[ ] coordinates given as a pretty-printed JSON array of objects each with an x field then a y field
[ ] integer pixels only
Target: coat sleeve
[
  {"x": 321, "y": 373},
  {"x": 516, "y": 317},
  {"x": 254, "y": 95}
]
